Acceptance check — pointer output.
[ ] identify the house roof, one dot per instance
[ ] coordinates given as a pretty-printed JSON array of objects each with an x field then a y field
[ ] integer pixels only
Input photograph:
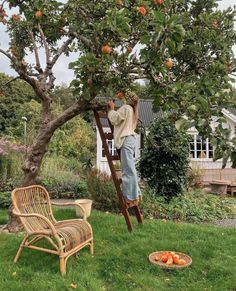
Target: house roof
[{"x": 146, "y": 114}]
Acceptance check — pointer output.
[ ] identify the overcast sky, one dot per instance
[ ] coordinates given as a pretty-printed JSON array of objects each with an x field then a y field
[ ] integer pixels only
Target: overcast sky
[{"x": 62, "y": 73}]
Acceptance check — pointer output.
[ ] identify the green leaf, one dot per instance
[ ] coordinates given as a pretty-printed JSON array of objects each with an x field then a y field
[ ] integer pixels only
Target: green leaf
[
  {"x": 217, "y": 154},
  {"x": 202, "y": 102},
  {"x": 144, "y": 39},
  {"x": 193, "y": 108},
  {"x": 180, "y": 30},
  {"x": 72, "y": 65},
  {"x": 233, "y": 159},
  {"x": 225, "y": 159},
  {"x": 171, "y": 45},
  {"x": 181, "y": 123}
]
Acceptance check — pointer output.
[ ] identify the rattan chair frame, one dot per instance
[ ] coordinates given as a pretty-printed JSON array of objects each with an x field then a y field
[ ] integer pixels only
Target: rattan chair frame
[{"x": 33, "y": 206}]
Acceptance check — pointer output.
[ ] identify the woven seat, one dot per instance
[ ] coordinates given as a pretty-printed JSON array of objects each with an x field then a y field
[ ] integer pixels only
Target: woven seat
[{"x": 32, "y": 205}]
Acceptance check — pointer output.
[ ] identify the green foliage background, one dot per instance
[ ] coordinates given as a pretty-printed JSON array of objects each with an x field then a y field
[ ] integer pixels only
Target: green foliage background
[{"x": 71, "y": 146}]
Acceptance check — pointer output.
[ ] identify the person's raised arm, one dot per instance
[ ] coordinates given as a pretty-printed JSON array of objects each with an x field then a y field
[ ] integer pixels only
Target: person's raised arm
[{"x": 115, "y": 117}]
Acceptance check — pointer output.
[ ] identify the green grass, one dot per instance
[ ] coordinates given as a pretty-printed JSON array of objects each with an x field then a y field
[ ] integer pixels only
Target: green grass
[
  {"x": 121, "y": 261},
  {"x": 3, "y": 216}
]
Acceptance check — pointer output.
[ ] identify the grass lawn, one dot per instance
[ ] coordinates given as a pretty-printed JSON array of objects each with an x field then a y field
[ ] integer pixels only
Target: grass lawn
[
  {"x": 121, "y": 258},
  {"x": 3, "y": 216}
]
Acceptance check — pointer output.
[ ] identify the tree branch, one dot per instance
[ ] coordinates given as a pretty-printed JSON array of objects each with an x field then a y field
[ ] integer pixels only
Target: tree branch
[
  {"x": 33, "y": 82},
  {"x": 59, "y": 52},
  {"x": 80, "y": 106},
  {"x": 38, "y": 65},
  {"x": 51, "y": 79},
  {"x": 69, "y": 113},
  {"x": 85, "y": 41},
  {"x": 47, "y": 52},
  {"x": 1, "y": 6},
  {"x": 12, "y": 80},
  {"x": 7, "y": 55},
  {"x": 88, "y": 43}
]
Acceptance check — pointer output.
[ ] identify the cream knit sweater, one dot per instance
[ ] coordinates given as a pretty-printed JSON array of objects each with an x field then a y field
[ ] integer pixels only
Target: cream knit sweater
[{"x": 123, "y": 121}]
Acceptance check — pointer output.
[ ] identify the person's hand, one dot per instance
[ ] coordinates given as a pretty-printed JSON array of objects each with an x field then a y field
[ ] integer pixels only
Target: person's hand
[{"x": 111, "y": 105}]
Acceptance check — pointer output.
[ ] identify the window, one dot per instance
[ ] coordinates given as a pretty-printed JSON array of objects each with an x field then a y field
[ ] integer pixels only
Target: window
[
  {"x": 200, "y": 148},
  {"x": 111, "y": 147}
]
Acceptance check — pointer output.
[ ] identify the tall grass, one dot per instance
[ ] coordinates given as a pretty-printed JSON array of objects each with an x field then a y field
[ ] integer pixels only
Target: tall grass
[
  {"x": 60, "y": 169},
  {"x": 11, "y": 167},
  {"x": 63, "y": 177}
]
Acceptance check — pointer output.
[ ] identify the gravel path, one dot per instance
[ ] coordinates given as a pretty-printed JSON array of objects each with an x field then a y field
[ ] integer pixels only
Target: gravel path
[{"x": 226, "y": 222}]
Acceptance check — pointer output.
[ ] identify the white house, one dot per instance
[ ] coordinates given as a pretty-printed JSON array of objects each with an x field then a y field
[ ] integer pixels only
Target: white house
[{"x": 201, "y": 151}]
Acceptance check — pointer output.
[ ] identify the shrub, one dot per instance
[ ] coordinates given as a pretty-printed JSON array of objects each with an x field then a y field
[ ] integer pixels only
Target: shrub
[
  {"x": 195, "y": 206},
  {"x": 59, "y": 176},
  {"x": 82, "y": 189},
  {"x": 165, "y": 158},
  {"x": 70, "y": 189},
  {"x": 102, "y": 191},
  {"x": 76, "y": 139},
  {"x": 5, "y": 199}
]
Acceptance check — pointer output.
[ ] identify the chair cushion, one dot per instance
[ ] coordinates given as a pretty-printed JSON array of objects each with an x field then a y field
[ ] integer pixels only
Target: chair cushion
[{"x": 73, "y": 233}]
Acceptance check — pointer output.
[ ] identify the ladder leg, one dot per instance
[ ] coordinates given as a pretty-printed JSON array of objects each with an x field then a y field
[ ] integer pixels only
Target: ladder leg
[
  {"x": 127, "y": 219},
  {"x": 138, "y": 214}
]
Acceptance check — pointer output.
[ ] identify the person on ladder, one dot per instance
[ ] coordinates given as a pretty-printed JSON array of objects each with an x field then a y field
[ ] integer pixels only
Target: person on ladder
[{"x": 124, "y": 121}]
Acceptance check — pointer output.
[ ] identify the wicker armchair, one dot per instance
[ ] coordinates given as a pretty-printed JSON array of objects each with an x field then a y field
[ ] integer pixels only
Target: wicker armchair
[{"x": 32, "y": 205}]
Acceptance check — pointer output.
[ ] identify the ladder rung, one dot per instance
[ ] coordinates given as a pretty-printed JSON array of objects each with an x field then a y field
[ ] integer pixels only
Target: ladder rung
[
  {"x": 115, "y": 158},
  {"x": 108, "y": 135},
  {"x": 102, "y": 114}
]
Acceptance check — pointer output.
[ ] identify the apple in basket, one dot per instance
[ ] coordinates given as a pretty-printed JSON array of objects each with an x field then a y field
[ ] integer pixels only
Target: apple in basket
[{"x": 170, "y": 258}]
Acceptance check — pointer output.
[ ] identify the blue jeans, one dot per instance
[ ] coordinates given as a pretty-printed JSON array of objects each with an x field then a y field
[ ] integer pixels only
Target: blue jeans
[{"x": 130, "y": 186}]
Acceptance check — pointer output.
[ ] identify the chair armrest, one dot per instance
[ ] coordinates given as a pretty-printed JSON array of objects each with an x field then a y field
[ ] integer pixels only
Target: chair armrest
[
  {"x": 71, "y": 204},
  {"x": 45, "y": 219}
]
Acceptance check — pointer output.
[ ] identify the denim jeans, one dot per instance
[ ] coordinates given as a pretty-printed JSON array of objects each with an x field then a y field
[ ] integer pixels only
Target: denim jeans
[{"x": 130, "y": 186}]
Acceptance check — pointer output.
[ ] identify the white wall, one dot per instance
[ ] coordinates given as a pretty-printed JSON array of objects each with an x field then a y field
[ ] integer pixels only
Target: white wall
[{"x": 208, "y": 163}]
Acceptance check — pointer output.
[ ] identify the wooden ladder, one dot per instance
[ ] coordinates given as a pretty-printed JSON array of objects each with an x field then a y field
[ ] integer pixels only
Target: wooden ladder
[{"x": 110, "y": 158}]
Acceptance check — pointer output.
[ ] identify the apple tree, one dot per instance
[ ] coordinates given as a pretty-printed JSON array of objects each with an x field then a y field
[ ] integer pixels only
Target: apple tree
[{"x": 182, "y": 48}]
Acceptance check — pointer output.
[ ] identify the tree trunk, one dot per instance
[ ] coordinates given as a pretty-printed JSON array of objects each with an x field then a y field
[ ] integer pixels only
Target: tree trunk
[
  {"x": 31, "y": 170},
  {"x": 35, "y": 156},
  {"x": 36, "y": 153},
  {"x": 14, "y": 224}
]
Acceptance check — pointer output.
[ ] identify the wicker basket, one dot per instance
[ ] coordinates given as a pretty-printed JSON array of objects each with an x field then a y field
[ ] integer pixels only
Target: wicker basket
[
  {"x": 159, "y": 263},
  {"x": 86, "y": 204}
]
